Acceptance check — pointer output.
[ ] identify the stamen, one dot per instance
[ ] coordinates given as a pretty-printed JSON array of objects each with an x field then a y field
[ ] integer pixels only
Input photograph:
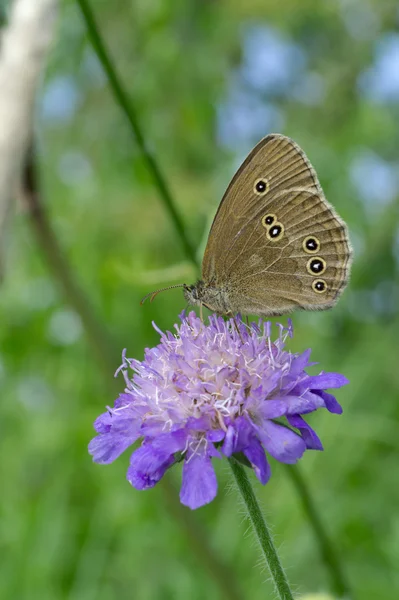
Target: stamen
[{"x": 128, "y": 382}]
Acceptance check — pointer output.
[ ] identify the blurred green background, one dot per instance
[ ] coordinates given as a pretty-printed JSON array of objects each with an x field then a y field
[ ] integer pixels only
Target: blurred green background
[{"x": 209, "y": 78}]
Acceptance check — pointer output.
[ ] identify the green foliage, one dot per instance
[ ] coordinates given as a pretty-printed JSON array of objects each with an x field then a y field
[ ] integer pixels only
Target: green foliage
[{"x": 71, "y": 529}]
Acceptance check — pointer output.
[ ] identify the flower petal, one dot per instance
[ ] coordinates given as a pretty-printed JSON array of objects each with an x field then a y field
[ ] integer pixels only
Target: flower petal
[
  {"x": 303, "y": 404},
  {"x": 230, "y": 441},
  {"x": 300, "y": 362},
  {"x": 255, "y": 453},
  {"x": 326, "y": 381},
  {"x": 238, "y": 436},
  {"x": 309, "y": 436},
  {"x": 330, "y": 402},
  {"x": 169, "y": 443},
  {"x": 282, "y": 443},
  {"x": 152, "y": 427},
  {"x": 200, "y": 424},
  {"x": 199, "y": 484},
  {"x": 215, "y": 435},
  {"x": 118, "y": 431},
  {"x": 106, "y": 447},
  {"x": 272, "y": 409},
  {"x": 147, "y": 466},
  {"x": 103, "y": 423}
]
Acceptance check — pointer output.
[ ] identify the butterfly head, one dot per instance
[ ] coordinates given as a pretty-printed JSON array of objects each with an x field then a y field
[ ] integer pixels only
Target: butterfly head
[
  {"x": 203, "y": 294},
  {"x": 197, "y": 294},
  {"x": 193, "y": 294}
]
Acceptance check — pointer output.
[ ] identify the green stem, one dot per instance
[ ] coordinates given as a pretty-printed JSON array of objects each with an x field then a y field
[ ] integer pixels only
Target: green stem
[
  {"x": 128, "y": 108},
  {"x": 261, "y": 530},
  {"x": 339, "y": 584}
]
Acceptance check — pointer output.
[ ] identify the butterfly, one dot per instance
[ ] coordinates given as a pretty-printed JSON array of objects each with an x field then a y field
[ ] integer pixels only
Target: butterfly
[{"x": 275, "y": 244}]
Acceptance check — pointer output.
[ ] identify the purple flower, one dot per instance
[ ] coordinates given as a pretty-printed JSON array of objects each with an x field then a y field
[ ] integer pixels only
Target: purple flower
[{"x": 210, "y": 390}]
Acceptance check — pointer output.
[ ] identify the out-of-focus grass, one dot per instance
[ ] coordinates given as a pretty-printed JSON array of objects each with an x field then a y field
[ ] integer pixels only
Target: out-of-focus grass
[{"x": 71, "y": 529}]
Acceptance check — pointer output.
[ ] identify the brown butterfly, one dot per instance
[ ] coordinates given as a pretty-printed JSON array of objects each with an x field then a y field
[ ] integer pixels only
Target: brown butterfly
[{"x": 276, "y": 244}]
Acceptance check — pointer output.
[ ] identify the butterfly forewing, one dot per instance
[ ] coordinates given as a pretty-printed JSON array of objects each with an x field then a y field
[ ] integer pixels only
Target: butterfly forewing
[{"x": 275, "y": 243}]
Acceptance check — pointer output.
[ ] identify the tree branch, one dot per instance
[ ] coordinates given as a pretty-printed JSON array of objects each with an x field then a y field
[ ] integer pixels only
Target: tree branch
[{"x": 24, "y": 46}]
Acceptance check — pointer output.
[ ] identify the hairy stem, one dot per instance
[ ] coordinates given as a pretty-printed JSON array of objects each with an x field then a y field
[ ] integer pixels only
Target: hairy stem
[{"x": 262, "y": 531}]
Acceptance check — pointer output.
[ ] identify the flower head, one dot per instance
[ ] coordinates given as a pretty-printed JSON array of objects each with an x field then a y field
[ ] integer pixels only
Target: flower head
[{"x": 210, "y": 390}]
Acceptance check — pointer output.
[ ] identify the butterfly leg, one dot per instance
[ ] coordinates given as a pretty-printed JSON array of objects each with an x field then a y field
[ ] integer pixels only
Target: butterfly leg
[{"x": 237, "y": 328}]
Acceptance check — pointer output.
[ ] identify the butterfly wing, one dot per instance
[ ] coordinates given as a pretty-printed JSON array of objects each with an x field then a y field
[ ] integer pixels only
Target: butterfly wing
[{"x": 275, "y": 243}]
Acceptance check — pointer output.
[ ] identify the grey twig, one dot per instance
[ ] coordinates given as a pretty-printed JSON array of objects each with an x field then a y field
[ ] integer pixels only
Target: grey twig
[{"x": 24, "y": 46}]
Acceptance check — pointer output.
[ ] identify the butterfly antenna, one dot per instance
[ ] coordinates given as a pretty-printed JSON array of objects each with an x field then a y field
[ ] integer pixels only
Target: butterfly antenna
[{"x": 152, "y": 295}]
